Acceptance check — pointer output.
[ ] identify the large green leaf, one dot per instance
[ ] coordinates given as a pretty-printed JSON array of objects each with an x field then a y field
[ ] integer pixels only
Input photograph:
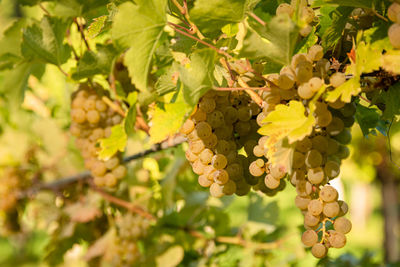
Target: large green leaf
[
  {"x": 275, "y": 42},
  {"x": 44, "y": 41},
  {"x": 14, "y": 83},
  {"x": 139, "y": 28},
  {"x": 332, "y": 34},
  {"x": 197, "y": 76},
  {"x": 93, "y": 63},
  {"x": 391, "y": 99},
  {"x": 211, "y": 16}
]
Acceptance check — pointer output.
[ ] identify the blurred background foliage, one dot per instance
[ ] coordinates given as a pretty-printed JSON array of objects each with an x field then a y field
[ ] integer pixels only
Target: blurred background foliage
[{"x": 60, "y": 227}]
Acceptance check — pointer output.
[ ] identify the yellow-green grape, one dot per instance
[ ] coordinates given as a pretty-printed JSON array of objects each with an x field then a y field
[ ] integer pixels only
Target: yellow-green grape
[
  {"x": 393, "y": 12},
  {"x": 215, "y": 118},
  {"x": 196, "y": 146},
  {"x": 93, "y": 116},
  {"x": 244, "y": 113},
  {"x": 271, "y": 182},
  {"x": 256, "y": 168},
  {"x": 331, "y": 209},
  {"x": 335, "y": 127},
  {"x": 220, "y": 177},
  {"x": 229, "y": 188},
  {"x": 332, "y": 169},
  {"x": 211, "y": 141},
  {"x": 119, "y": 172},
  {"x": 190, "y": 156},
  {"x": 320, "y": 143},
  {"x": 324, "y": 118},
  {"x": 337, "y": 79},
  {"x": 333, "y": 146},
  {"x": 198, "y": 167},
  {"x": 258, "y": 151},
  {"x": 311, "y": 220},
  {"x": 309, "y": 238},
  {"x": 307, "y": 14},
  {"x": 304, "y": 71},
  {"x": 313, "y": 158},
  {"x": 343, "y": 208},
  {"x": 111, "y": 163},
  {"x": 216, "y": 190},
  {"x": 298, "y": 160},
  {"x": 304, "y": 91},
  {"x": 78, "y": 115},
  {"x": 203, "y": 129},
  {"x": 394, "y": 35},
  {"x": 206, "y": 156},
  {"x": 278, "y": 171},
  {"x": 315, "y": 53},
  {"x": 319, "y": 251},
  {"x": 304, "y": 145},
  {"x": 315, "y": 207},
  {"x": 305, "y": 30},
  {"x": 285, "y": 8},
  {"x": 328, "y": 193},
  {"x": 342, "y": 225},
  {"x": 219, "y": 161},
  {"x": 336, "y": 239},
  {"x": 302, "y": 202},
  {"x": 230, "y": 115},
  {"x": 110, "y": 179},
  {"x": 303, "y": 188},
  {"x": 296, "y": 59},
  {"x": 207, "y": 104},
  {"x": 243, "y": 128},
  {"x": 199, "y": 116},
  {"x": 89, "y": 104},
  {"x": 101, "y": 105},
  {"x": 315, "y": 84},
  {"x": 98, "y": 168},
  {"x": 315, "y": 175},
  {"x": 297, "y": 175},
  {"x": 286, "y": 81},
  {"x": 337, "y": 104}
]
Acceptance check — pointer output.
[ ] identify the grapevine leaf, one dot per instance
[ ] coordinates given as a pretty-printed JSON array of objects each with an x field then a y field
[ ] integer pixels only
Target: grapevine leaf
[
  {"x": 367, "y": 119},
  {"x": 282, "y": 153},
  {"x": 114, "y": 143},
  {"x": 325, "y": 21},
  {"x": 368, "y": 59},
  {"x": 287, "y": 121},
  {"x": 197, "y": 76},
  {"x": 166, "y": 83},
  {"x": 391, "y": 61},
  {"x": 96, "y": 26},
  {"x": 171, "y": 257},
  {"x": 350, "y": 88},
  {"x": 130, "y": 119},
  {"x": 10, "y": 42},
  {"x": 351, "y": 3},
  {"x": 333, "y": 34},
  {"x": 45, "y": 41},
  {"x": 307, "y": 42},
  {"x": 93, "y": 63},
  {"x": 166, "y": 121},
  {"x": 15, "y": 82},
  {"x": 275, "y": 42},
  {"x": 210, "y": 16},
  {"x": 139, "y": 28},
  {"x": 391, "y": 99}
]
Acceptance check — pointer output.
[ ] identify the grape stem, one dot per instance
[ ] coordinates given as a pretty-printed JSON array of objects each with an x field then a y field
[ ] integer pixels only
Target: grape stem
[
  {"x": 254, "y": 16},
  {"x": 256, "y": 98},
  {"x": 114, "y": 106},
  {"x": 80, "y": 27}
]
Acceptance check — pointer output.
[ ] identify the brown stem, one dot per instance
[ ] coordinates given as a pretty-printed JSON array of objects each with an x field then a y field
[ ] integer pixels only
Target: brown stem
[
  {"x": 256, "y": 98},
  {"x": 81, "y": 30},
  {"x": 125, "y": 204},
  {"x": 114, "y": 106},
  {"x": 181, "y": 27},
  {"x": 259, "y": 20},
  {"x": 44, "y": 9},
  {"x": 200, "y": 41}
]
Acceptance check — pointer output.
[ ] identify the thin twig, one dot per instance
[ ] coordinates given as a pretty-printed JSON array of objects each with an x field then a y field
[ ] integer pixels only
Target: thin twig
[
  {"x": 181, "y": 27},
  {"x": 44, "y": 9},
  {"x": 219, "y": 51},
  {"x": 80, "y": 27},
  {"x": 63, "y": 72},
  {"x": 114, "y": 106},
  {"x": 120, "y": 202},
  {"x": 241, "y": 88},
  {"x": 258, "y": 19},
  {"x": 256, "y": 98},
  {"x": 379, "y": 15}
]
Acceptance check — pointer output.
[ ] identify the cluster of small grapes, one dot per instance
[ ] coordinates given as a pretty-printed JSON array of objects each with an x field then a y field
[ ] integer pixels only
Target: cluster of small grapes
[
  {"x": 222, "y": 123},
  {"x": 92, "y": 120},
  {"x": 394, "y": 30},
  {"x": 10, "y": 184},
  {"x": 316, "y": 159},
  {"x": 306, "y": 14},
  {"x": 319, "y": 216},
  {"x": 130, "y": 229}
]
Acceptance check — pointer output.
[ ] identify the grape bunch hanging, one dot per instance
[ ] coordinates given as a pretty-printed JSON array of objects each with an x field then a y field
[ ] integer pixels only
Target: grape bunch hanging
[{"x": 92, "y": 120}]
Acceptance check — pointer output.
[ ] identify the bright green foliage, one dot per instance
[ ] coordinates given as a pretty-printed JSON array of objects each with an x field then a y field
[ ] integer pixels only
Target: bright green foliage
[{"x": 116, "y": 142}]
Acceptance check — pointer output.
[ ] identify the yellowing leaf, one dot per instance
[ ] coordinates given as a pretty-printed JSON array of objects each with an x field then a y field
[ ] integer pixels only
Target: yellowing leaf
[
  {"x": 282, "y": 153},
  {"x": 287, "y": 121},
  {"x": 368, "y": 59},
  {"x": 170, "y": 258},
  {"x": 350, "y": 88},
  {"x": 115, "y": 142},
  {"x": 391, "y": 61}
]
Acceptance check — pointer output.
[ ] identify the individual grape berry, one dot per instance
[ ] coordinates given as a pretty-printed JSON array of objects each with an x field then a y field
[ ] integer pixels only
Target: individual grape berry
[
  {"x": 198, "y": 167},
  {"x": 328, "y": 193},
  {"x": 119, "y": 172},
  {"x": 305, "y": 91},
  {"x": 311, "y": 220},
  {"x": 336, "y": 239},
  {"x": 277, "y": 171},
  {"x": 343, "y": 208},
  {"x": 331, "y": 209},
  {"x": 220, "y": 177},
  {"x": 207, "y": 104},
  {"x": 316, "y": 52},
  {"x": 337, "y": 79},
  {"x": 394, "y": 35},
  {"x": 315, "y": 175},
  {"x": 196, "y": 146},
  {"x": 216, "y": 190},
  {"x": 315, "y": 84},
  {"x": 342, "y": 225},
  {"x": 229, "y": 188},
  {"x": 219, "y": 161},
  {"x": 304, "y": 71},
  {"x": 309, "y": 238},
  {"x": 304, "y": 145},
  {"x": 332, "y": 169},
  {"x": 313, "y": 159},
  {"x": 393, "y": 12},
  {"x": 204, "y": 181},
  {"x": 187, "y": 127},
  {"x": 315, "y": 207},
  {"x": 298, "y": 160},
  {"x": 78, "y": 115},
  {"x": 206, "y": 156},
  {"x": 285, "y": 8},
  {"x": 303, "y": 188},
  {"x": 111, "y": 163},
  {"x": 271, "y": 182},
  {"x": 319, "y": 251},
  {"x": 302, "y": 202}
]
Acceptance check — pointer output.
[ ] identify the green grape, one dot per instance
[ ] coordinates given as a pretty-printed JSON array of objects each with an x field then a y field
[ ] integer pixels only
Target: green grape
[
  {"x": 229, "y": 188},
  {"x": 89, "y": 104},
  {"x": 271, "y": 182},
  {"x": 307, "y": 15},
  {"x": 286, "y": 81},
  {"x": 315, "y": 53},
  {"x": 224, "y": 132},
  {"x": 320, "y": 143},
  {"x": 319, "y": 251},
  {"x": 348, "y": 121},
  {"x": 206, "y": 156},
  {"x": 343, "y": 208},
  {"x": 332, "y": 169},
  {"x": 223, "y": 147},
  {"x": 333, "y": 146},
  {"x": 219, "y": 161},
  {"x": 337, "y": 104},
  {"x": 331, "y": 209},
  {"x": 78, "y": 115},
  {"x": 260, "y": 117},
  {"x": 198, "y": 116},
  {"x": 337, "y": 79},
  {"x": 336, "y": 239},
  {"x": 242, "y": 188},
  {"x": 99, "y": 168},
  {"x": 394, "y": 35},
  {"x": 303, "y": 188},
  {"x": 230, "y": 115},
  {"x": 304, "y": 145},
  {"x": 235, "y": 171},
  {"x": 348, "y": 110},
  {"x": 119, "y": 172},
  {"x": 304, "y": 71},
  {"x": 220, "y": 176},
  {"x": 343, "y": 152},
  {"x": 258, "y": 151},
  {"x": 298, "y": 160},
  {"x": 322, "y": 67},
  {"x": 315, "y": 175},
  {"x": 309, "y": 238},
  {"x": 315, "y": 84},
  {"x": 328, "y": 193},
  {"x": 313, "y": 159},
  {"x": 311, "y": 220},
  {"x": 344, "y": 137},
  {"x": 203, "y": 130},
  {"x": 111, "y": 163},
  {"x": 342, "y": 225},
  {"x": 244, "y": 113},
  {"x": 323, "y": 119},
  {"x": 315, "y": 207},
  {"x": 302, "y": 202},
  {"x": 297, "y": 175},
  {"x": 207, "y": 104},
  {"x": 243, "y": 128},
  {"x": 215, "y": 119},
  {"x": 393, "y": 12},
  {"x": 335, "y": 127},
  {"x": 304, "y": 91},
  {"x": 216, "y": 190},
  {"x": 110, "y": 179},
  {"x": 101, "y": 106},
  {"x": 296, "y": 59},
  {"x": 285, "y": 8},
  {"x": 305, "y": 30}
]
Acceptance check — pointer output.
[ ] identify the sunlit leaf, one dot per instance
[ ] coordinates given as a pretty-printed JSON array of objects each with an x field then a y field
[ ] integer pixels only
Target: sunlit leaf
[
  {"x": 114, "y": 143},
  {"x": 350, "y": 88}
]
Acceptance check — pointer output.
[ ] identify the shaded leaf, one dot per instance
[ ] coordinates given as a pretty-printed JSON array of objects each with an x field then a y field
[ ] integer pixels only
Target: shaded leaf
[
  {"x": 130, "y": 120},
  {"x": 14, "y": 83},
  {"x": 333, "y": 33},
  {"x": 391, "y": 99},
  {"x": 367, "y": 118},
  {"x": 139, "y": 28}
]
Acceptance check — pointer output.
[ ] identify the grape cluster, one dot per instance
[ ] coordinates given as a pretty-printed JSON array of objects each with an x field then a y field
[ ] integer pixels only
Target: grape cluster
[
  {"x": 316, "y": 158},
  {"x": 320, "y": 210},
  {"x": 222, "y": 124},
  {"x": 92, "y": 120},
  {"x": 130, "y": 229},
  {"x": 306, "y": 15},
  {"x": 394, "y": 30}
]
